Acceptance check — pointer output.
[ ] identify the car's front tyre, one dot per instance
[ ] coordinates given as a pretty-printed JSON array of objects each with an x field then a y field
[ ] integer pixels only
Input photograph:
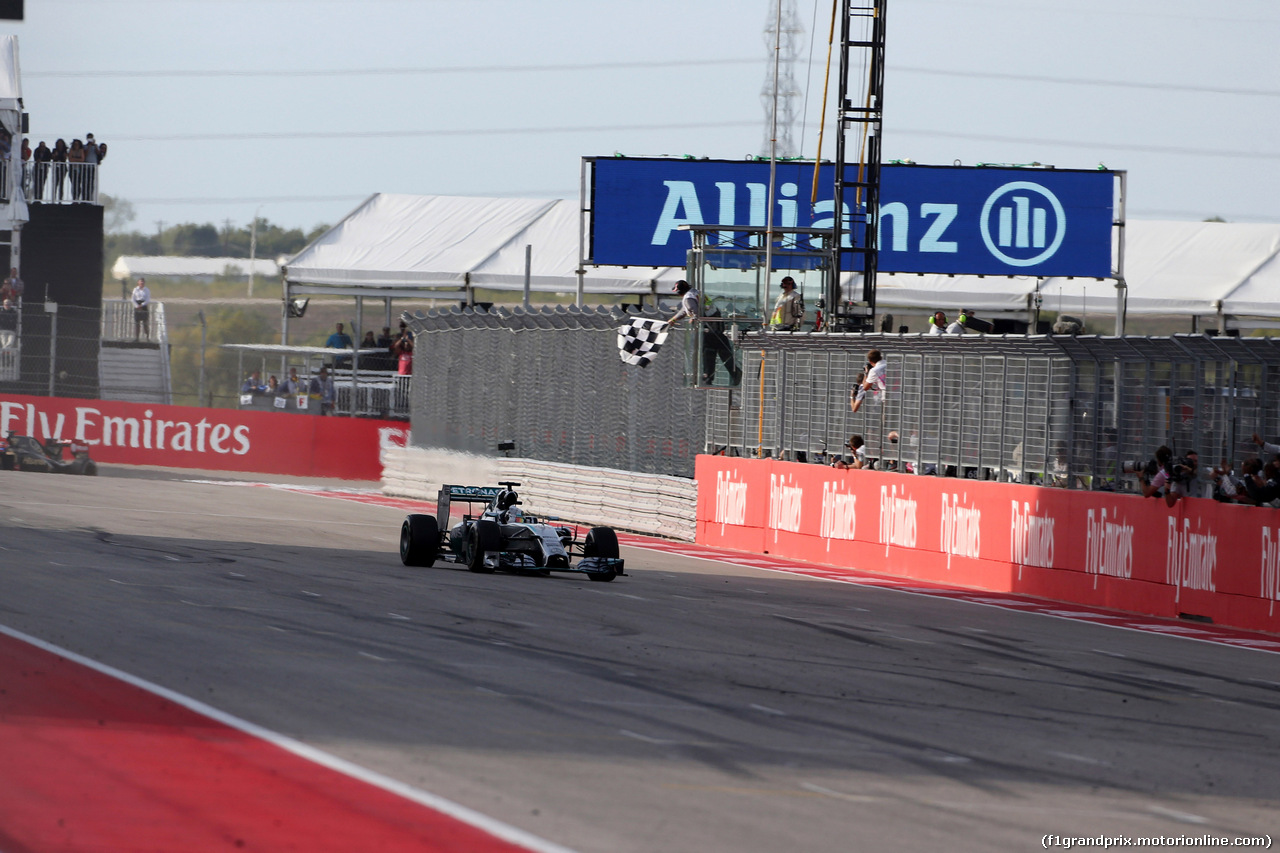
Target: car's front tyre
[{"x": 484, "y": 536}]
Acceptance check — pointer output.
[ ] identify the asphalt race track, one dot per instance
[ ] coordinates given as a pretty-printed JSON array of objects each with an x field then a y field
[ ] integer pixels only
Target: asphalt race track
[{"x": 693, "y": 705}]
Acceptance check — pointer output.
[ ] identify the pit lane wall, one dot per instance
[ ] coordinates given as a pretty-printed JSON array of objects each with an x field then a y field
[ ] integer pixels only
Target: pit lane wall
[
  {"x": 208, "y": 439},
  {"x": 1199, "y": 559}
]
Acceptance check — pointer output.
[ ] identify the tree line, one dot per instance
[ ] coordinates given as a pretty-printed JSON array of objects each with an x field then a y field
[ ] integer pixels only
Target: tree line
[{"x": 192, "y": 240}]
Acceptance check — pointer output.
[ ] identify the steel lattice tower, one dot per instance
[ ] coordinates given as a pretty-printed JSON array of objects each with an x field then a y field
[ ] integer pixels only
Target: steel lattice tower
[
  {"x": 857, "y": 185},
  {"x": 782, "y": 36}
]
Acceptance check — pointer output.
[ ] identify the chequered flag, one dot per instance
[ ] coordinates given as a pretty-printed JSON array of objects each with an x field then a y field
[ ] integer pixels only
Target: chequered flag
[{"x": 640, "y": 340}]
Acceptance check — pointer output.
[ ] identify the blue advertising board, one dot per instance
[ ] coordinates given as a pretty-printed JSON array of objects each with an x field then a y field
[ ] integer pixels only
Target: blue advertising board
[{"x": 933, "y": 219}]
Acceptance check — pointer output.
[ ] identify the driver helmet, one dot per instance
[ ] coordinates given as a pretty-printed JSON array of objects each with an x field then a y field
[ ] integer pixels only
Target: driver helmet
[{"x": 506, "y": 499}]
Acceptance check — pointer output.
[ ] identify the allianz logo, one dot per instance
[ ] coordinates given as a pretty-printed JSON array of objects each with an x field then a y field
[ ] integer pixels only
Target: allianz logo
[
  {"x": 785, "y": 500},
  {"x": 1108, "y": 545},
  {"x": 839, "y": 512},
  {"x": 1022, "y": 223},
  {"x": 961, "y": 527},
  {"x": 1021, "y": 212},
  {"x": 1031, "y": 537},
  {"x": 1190, "y": 558},
  {"x": 731, "y": 499}
]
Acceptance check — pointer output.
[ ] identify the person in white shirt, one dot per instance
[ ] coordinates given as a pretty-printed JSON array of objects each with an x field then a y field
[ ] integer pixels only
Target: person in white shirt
[
  {"x": 957, "y": 328},
  {"x": 141, "y": 299},
  {"x": 872, "y": 381},
  {"x": 938, "y": 323},
  {"x": 859, "y": 458}
]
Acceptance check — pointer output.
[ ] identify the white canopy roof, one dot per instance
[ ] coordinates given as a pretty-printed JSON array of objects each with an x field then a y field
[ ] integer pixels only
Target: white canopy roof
[
  {"x": 407, "y": 242},
  {"x": 13, "y": 211},
  {"x": 164, "y": 266},
  {"x": 10, "y": 76},
  {"x": 1194, "y": 268}
]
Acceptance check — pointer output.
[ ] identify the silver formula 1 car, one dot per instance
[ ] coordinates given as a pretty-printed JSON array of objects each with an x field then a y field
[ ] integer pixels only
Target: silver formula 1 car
[{"x": 503, "y": 536}]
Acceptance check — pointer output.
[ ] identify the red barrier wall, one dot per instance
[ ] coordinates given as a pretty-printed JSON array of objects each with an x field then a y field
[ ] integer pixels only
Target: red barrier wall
[
  {"x": 1200, "y": 558},
  {"x": 212, "y": 439}
]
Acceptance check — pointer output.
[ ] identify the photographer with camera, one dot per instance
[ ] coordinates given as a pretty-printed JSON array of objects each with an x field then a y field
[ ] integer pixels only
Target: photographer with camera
[{"x": 1167, "y": 477}]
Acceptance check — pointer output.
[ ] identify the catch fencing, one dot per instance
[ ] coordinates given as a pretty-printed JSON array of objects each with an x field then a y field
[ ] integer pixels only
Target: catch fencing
[
  {"x": 550, "y": 383},
  {"x": 1060, "y": 410},
  {"x": 1049, "y": 410},
  {"x": 48, "y": 349}
]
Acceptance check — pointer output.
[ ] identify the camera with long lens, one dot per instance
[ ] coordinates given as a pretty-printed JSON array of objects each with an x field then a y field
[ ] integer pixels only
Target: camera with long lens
[
  {"x": 1144, "y": 470},
  {"x": 1182, "y": 470}
]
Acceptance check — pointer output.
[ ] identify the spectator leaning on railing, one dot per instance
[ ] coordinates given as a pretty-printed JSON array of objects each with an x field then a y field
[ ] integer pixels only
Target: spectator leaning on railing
[
  {"x": 12, "y": 288},
  {"x": 41, "y": 158},
  {"x": 322, "y": 389},
  {"x": 91, "y": 159},
  {"x": 59, "y": 159}
]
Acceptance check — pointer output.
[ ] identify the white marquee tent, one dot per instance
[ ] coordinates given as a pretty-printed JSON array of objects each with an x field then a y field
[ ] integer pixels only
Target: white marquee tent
[
  {"x": 13, "y": 207},
  {"x": 1171, "y": 268},
  {"x": 402, "y": 245},
  {"x": 129, "y": 267}
]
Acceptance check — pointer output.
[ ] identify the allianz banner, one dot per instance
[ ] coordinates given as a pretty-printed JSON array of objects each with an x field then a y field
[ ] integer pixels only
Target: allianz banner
[{"x": 933, "y": 219}]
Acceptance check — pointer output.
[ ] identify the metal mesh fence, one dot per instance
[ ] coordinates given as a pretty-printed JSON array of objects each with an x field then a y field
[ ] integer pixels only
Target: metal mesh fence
[
  {"x": 1059, "y": 410},
  {"x": 48, "y": 349},
  {"x": 551, "y": 382}
]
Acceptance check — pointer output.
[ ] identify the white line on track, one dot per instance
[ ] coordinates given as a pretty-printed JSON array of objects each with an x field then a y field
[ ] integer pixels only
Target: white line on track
[
  {"x": 827, "y": 792},
  {"x": 454, "y": 810},
  {"x": 1181, "y": 817},
  {"x": 1083, "y": 759},
  {"x": 653, "y": 740}
]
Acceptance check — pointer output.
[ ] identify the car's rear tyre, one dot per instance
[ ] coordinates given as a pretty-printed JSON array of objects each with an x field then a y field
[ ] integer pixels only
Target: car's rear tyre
[
  {"x": 600, "y": 542},
  {"x": 485, "y": 535},
  {"x": 419, "y": 540}
]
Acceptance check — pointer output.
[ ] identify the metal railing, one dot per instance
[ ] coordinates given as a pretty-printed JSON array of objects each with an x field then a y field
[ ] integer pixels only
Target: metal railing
[
  {"x": 375, "y": 395},
  {"x": 119, "y": 325},
  {"x": 55, "y": 183},
  {"x": 10, "y": 362}
]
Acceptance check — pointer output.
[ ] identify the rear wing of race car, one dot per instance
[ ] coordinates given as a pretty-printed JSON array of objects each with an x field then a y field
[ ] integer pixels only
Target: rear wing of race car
[{"x": 469, "y": 495}]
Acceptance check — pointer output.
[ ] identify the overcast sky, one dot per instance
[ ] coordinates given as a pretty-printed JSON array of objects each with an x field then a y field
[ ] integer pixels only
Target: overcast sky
[{"x": 299, "y": 109}]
